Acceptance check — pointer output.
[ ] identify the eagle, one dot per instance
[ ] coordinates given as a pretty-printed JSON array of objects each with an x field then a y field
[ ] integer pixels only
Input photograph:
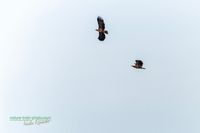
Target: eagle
[
  {"x": 138, "y": 64},
  {"x": 101, "y": 29}
]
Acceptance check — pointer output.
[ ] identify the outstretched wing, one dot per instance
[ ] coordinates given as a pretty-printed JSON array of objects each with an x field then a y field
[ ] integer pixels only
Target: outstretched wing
[
  {"x": 101, "y": 23},
  {"x": 139, "y": 62},
  {"x": 101, "y": 36}
]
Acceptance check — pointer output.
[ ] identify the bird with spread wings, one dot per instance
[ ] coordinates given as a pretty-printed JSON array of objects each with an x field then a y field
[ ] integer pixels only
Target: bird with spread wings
[
  {"x": 138, "y": 64},
  {"x": 101, "y": 29}
]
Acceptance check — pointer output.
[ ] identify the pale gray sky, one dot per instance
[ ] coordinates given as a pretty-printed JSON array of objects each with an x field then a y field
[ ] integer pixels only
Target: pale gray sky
[{"x": 52, "y": 64}]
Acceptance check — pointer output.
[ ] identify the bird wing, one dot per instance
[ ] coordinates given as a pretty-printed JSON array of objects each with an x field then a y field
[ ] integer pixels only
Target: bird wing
[
  {"x": 101, "y": 23},
  {"x": 101, "y": 36},
  {"x": 139, "y": 62}
]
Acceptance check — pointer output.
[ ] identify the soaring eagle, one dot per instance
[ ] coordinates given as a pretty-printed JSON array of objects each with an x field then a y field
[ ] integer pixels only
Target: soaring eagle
[
  {"x": 138, "y": 64},
  {"x": 101, "y": 29}
]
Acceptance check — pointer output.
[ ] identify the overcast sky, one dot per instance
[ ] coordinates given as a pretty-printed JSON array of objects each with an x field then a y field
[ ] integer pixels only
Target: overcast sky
[{"x": 52, "y": 64}]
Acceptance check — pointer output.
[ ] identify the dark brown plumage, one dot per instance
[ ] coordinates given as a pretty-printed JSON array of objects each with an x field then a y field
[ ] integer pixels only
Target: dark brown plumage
[
  {"x": 101, "y": 29},
  {"x": 138, "y": 64}
]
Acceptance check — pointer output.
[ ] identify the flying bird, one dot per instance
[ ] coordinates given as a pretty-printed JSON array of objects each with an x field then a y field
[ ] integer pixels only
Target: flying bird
[
  {"x": 101, "y": 29},
  {"x": 138, "y": 64}
]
